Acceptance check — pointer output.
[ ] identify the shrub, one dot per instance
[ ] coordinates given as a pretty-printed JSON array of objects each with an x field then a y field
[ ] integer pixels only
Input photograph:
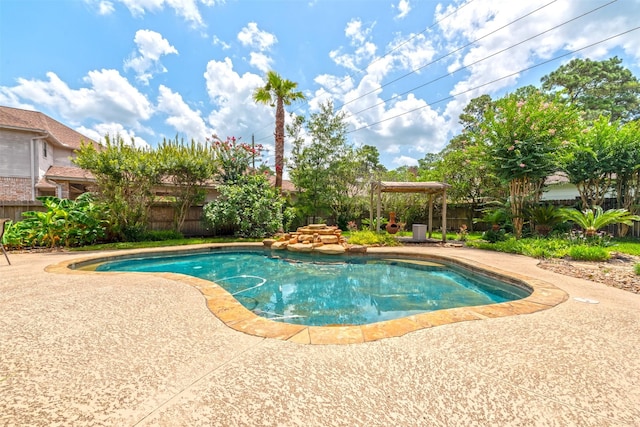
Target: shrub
[
  {"x": 636, "y": 268},
  {"x": 544, "y": 217},
  {"x": 493, "y": 236},
  {"x": 368, "y": 225},
  {"x": 251, "y": 205},
  {"x": 588, "y": 253},
  {"x": 592, "y": 220},
  {"x": 64, "y": 222},
  {"x": 15, "y": 234},
  {"x": 368, "y": 237},
  {"x": 545, "y": 248}
]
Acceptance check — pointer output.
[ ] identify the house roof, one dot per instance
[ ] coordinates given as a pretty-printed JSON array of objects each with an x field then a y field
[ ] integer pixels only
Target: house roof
[
  {"x": 34, "y": 121},
  {"x": 44, "y": 184},
  {"x": 557, "y": 178},
  {"x": 287, "y": 186},
  {"x": 68, "y": 173}
]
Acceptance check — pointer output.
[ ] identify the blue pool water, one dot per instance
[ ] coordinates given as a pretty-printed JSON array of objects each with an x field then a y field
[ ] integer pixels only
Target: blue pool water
[{"x": 319, "y": 290}]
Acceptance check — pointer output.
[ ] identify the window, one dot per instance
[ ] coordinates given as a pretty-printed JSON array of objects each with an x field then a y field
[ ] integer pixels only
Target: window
[{"x": 44, "y": 149}]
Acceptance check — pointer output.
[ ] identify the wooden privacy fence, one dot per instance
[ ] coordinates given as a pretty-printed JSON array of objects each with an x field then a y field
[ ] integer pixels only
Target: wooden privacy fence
[{"x": 161, "y": 217}]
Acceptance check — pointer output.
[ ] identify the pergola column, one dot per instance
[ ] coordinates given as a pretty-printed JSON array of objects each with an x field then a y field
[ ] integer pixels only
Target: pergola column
[
  {"x": 378, "y": 213},
  {"x": 430, "y": 214},
  {"x": 444, "y": 215}
]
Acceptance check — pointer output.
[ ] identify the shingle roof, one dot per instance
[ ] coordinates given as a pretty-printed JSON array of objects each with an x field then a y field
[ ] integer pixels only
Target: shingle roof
[
  {"x": 287, "y": 186},
  {"x": 68, "y": 172},
  {"x": 16, "y": 118}
]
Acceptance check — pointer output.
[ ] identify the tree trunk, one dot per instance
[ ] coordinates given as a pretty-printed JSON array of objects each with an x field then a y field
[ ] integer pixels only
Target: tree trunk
[{"x": 279, "y": 137}]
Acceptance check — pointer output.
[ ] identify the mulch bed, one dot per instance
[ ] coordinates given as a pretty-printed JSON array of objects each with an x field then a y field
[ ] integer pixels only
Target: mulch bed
[{"x": 618, "y": 272}]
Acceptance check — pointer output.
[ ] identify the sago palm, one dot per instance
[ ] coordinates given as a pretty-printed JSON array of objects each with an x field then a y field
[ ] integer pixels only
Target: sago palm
[
  {"x": 592, "y": 220},
  {"x": 278, "y": 92}
]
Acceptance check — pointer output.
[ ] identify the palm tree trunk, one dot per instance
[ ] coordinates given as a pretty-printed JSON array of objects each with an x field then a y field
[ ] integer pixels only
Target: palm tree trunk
[{"x": 279, "y": 137}]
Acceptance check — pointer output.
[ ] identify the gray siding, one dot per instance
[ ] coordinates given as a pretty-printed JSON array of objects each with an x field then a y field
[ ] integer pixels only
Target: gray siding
[{"x": 14, "y": 153}]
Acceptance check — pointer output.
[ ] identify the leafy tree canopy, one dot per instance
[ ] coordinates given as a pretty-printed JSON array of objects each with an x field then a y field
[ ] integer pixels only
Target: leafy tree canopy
[
  {"x": 597, "y": 88},
  {"x": 125, "y": 177}
]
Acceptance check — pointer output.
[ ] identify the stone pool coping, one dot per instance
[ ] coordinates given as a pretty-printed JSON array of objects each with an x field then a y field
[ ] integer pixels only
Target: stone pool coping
[{"x": 228, "y": 310}]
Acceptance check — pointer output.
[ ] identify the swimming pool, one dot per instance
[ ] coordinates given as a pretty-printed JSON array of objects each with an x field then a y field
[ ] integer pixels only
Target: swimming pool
[{"x": 316, "y": 290}]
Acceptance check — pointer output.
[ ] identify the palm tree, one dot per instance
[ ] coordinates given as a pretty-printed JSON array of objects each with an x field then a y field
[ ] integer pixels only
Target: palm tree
[
  {"x": 278, "y": 92},
  {"x": 591, "y": 220}
]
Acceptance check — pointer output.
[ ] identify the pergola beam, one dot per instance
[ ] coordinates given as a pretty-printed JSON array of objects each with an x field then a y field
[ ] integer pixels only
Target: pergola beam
[{"x": 431, "y": 188}]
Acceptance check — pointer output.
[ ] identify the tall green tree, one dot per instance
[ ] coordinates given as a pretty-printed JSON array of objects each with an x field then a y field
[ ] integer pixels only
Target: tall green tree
[
  {"x": 625, "y": 168},
  {"x": 473, "y": 114},
  {"x": 187, "y": 167},
  {"x": 464, "y": 167},
  {"x": 319, "y": 145},
  {"x": 588, "y": 161},
  {"x": 329, "y": 172},
  {"x": 523, "y": 138},
  {"x": 462, "y": 164},
  {"x": 597, "y": 88},
  {"x": 125, "y": 176},
  {"x": 353, "y": 174},
  {"x": 278, "y": 92}
]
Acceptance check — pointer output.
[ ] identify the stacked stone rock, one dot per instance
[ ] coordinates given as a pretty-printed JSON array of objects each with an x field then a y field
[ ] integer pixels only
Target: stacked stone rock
[{"x": 319, "y": 238}]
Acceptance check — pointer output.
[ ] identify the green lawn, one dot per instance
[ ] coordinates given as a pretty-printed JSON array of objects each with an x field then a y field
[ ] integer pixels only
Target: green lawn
[
  {"x": 559, "y": 248},
  {"x": 160, "y": 243}
]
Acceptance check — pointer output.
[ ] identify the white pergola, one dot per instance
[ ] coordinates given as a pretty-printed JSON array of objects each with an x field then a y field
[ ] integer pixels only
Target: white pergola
[{"x": 431, "y": 188}]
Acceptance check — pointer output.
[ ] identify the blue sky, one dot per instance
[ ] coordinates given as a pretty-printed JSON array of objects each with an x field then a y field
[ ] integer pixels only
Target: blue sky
[{"x": 402, "y": 70}]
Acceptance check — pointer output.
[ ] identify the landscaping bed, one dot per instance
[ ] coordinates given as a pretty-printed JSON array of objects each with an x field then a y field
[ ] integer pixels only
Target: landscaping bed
[{"x": 617, "y": 272}]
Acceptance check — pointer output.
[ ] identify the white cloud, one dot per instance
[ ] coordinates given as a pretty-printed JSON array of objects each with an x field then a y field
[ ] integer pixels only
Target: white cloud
[
  {"x": 261, "y": 61},
  {"x": 251, "y": 36},
  {"x": 235, "y": 112},
  {"x": 358, "y": 37},
  {"x": 481, "y": 17},
  {"x": 109, "y": 97},
  {"x": 232, "y": 96},
  {"x": 10, "y": 99},
  {"x": 403, "y": 9},
  {"x": 411, "y": 52},
  {"x": 221, "y": 43},
  {"x": 98, "y": 132},
  {"x": 405, "y": 161},
  {"x": 105, "y": 8},
  {"x": 180, "y": 116},
  {"x": 392, "y": 149},
  {"x": 356, "y": 32},
  {"x": 151, "y": 46},
  {"x": 186, "y": 9}
]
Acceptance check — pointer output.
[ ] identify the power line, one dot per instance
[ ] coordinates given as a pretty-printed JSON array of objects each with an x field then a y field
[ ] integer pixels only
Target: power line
[
  {"x": 448, "y": 54},
  {"x": 478, "y": 61},
  {"x": 494, "y": 81},
  {"x": 385, "y": 55}
]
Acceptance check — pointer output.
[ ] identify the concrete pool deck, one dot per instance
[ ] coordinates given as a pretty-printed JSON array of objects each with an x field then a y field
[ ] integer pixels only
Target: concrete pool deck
[{"x": 133, "y": 349}]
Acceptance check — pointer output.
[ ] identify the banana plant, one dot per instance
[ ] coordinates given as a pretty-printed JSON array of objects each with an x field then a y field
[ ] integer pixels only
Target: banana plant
[
  {"x": 592, "y": 220},
  {"x": 64, "y": 222}
]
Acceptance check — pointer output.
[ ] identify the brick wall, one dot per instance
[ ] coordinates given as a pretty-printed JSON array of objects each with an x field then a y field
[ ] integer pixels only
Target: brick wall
[{"x": 15, "y": 189}]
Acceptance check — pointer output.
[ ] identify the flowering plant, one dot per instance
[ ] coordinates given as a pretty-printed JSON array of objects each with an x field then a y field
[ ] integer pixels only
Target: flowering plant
[
  {"x": 235, "y": 158},
  {"x": 524, "y": 134}
]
